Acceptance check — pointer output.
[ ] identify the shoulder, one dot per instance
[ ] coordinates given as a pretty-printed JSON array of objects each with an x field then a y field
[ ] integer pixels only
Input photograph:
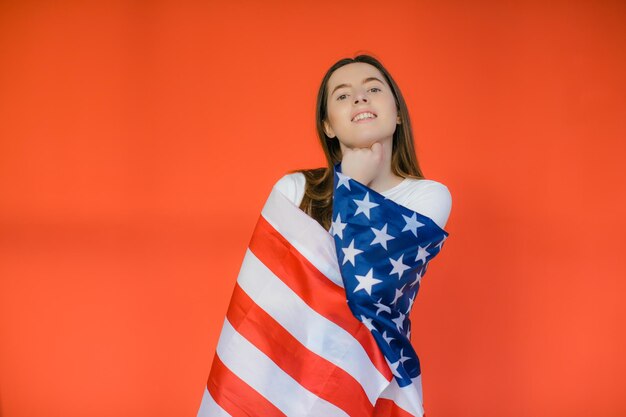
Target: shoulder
[
  {"x": 431, "y": 198},
  {"x": 432, "y": 188},
  {"x": 292, "y": 186}
]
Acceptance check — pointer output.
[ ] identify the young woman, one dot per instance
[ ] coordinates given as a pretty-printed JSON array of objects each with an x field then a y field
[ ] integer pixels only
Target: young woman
[
  {"x": 363, "y": 122},
  {"x": 318, "y": 322}
]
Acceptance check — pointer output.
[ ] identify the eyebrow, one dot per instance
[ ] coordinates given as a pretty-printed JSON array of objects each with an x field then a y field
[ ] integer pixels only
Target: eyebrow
[{"x": 368, "y": 79}]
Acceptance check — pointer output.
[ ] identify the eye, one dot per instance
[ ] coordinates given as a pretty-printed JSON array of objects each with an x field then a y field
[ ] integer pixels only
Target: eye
[
  {"x": 339, "y": 97},
  {"x": 375, "y": 88}
]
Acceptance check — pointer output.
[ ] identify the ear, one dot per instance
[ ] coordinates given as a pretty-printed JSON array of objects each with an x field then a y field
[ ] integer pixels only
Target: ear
[{"x": 328, "y": 130}]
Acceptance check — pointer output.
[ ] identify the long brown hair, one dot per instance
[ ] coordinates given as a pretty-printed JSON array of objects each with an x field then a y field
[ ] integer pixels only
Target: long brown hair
[{"x": 317, "y": 201}]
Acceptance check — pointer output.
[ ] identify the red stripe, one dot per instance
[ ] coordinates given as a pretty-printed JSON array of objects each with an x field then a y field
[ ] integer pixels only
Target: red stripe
[
  {"x": 387, "y": 408},
  {"x": 312, "y": 371},
  {"x": 316, "y": 290},
  {"x": 235, "y": 396}
]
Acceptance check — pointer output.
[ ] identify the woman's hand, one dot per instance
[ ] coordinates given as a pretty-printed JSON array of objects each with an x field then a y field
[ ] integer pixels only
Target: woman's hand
[{"x": 363, "y": 164}]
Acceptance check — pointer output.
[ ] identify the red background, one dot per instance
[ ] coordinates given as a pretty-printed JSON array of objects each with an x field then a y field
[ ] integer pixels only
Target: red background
[{"x": 139, "y": 141}]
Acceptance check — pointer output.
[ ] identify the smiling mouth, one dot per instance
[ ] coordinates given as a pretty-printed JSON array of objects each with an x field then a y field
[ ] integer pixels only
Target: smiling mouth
[{"x": 364, "y": 116}]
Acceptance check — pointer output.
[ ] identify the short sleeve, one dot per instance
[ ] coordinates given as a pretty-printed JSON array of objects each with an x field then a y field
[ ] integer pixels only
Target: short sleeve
[
  {"x": 433, "y": 199},
  {"x": 292, "y": 186}
]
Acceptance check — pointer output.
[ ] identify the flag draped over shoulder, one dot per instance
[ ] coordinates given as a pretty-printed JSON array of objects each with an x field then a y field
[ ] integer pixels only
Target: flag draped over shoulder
[
  {"x": 383, "y": 249},
  {"x": 318, "y": 322}
]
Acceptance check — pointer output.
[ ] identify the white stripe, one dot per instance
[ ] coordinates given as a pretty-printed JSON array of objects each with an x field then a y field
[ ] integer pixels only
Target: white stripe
[
  {"x": 408, "y": 398},
  {"x": 264, "y": 376},
  {"x": 304, "y": 234},
  {"x": 314, "y": 331},
  {"x": 209, "y": 408}
]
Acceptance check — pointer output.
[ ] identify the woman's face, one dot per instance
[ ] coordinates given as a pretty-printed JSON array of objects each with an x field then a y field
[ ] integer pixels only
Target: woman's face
[{"x": 361, "y": 108}]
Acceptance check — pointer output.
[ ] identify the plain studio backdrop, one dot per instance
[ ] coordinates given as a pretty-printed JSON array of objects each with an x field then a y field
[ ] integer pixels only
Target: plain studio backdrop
[{"x": 139, "y": 141}]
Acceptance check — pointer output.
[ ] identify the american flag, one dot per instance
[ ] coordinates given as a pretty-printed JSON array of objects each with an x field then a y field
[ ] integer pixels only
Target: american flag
[
  {"x": 290, "y": 344},
  {"x": 384, "y": 249}
]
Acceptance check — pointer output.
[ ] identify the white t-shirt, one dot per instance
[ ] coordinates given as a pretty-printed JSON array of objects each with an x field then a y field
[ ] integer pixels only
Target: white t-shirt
[{"x": 427, "y": 197}]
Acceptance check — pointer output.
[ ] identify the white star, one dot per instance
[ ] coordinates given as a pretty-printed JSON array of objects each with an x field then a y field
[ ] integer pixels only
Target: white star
[
  {"x": 382, "y": 307},
  {"x": 411, "y": 224},
  {"x": 394, "y": 368},
  {"x": 337, "y": 227},
  {"x": 366, "y": 282},
  {"x": 381, "y": 236},
  {"x": 399, "y": 321},
  {"x": 398, "y": 294},
  {"x": 364, "y": 205},
  {"x": 343, "y": 180},
  {"x": 349, "y": 253},
  {"x": 411, "y": 300},
  {"x": 417, "y": 280},
  {"x": 387, "y": 339},
  {"x": 422, "y": 254},
  {"x": 368, "y": 323},
  {"x": 441, "y": 243},
  {"x": 398, "y": 266},
  {"x": 402, "y": 357}
]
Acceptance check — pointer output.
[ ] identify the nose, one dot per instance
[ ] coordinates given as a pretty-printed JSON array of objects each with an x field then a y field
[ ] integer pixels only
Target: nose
[{"x": 360, "y": 97}]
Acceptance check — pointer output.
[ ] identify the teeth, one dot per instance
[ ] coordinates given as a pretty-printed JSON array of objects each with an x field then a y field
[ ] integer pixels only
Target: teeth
[{"x": 366, "y": 115}]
